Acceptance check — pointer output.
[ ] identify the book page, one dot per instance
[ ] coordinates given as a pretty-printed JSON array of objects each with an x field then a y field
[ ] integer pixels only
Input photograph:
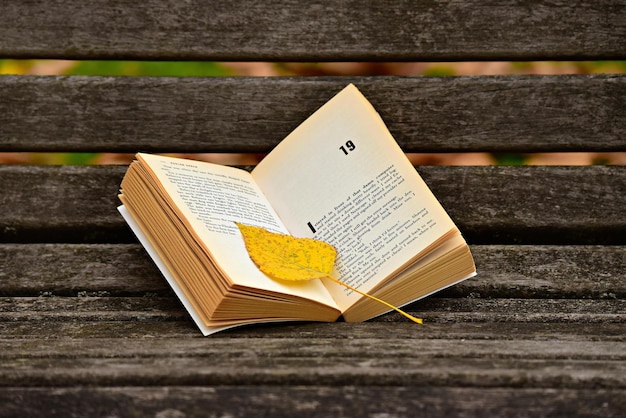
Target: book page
[
  {"x": 209, "y": 198},
  {"x": 340, "y": 177}
]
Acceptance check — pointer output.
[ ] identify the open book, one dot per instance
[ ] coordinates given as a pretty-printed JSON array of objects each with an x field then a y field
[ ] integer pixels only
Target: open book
[{"x": 339, "y": 177}]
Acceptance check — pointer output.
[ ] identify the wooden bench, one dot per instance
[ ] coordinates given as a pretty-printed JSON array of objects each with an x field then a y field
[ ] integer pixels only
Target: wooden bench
[{"x": 88, "y": 327}]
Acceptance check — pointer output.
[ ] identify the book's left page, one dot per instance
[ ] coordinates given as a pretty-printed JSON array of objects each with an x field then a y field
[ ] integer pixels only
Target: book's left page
[{"x": 207, "y": 199}]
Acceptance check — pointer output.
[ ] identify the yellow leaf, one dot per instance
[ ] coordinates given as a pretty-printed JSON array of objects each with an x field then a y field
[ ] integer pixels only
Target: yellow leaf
[{"x": 284, "y": 257}]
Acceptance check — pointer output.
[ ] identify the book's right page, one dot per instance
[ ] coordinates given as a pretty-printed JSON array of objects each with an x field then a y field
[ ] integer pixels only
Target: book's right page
[{"x": 341, "y": 177}]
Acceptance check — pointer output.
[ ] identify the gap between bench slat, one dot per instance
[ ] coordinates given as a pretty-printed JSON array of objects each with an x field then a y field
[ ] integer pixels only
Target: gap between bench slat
[{"x": 251, "y": 115}]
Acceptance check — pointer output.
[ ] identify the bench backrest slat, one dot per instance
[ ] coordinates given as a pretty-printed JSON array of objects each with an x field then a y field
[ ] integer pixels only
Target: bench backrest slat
[
  {"x": 493, "y": 114},
  {"x": 314, "y": 31}
]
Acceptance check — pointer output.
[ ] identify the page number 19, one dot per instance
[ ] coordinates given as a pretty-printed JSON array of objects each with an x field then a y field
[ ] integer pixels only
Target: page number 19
[{"x": 349, "y": 146}]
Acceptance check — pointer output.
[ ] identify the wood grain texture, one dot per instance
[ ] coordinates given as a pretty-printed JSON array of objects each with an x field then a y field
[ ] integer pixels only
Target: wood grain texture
[
  {"x": 311, "y": 401},
  {"x": 125, "y": 270},
  {"x": 396, "y": 30},
  {"x": 540, "y": 205},
  {"x": 505, "y": 346},
  {"x": 320, "y": 362},
  {"x": 425, "y": 114},
  {"x": 538, "y": 318},
  {"x": 550, "y": 343},
  {"x": 434, "y": 310}
]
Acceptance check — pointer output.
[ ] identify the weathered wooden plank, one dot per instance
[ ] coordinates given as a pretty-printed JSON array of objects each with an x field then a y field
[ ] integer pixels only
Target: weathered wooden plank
[
  {"x": 126, "y": 270},
  {"x": 374, "y": 364},
  {"x": 220, "y": 350},
  {"x": 313, "y": 31},
  {"x": 79, "y": 270},
  {"x": 546, "y": 272},
  {"x": 541, "y": 204},
  {"x": 530, "y": 205},
  {"x": 60, "y": 203},
  {"x": 318, "y": 361},
  {"x": 311, "y": 401},
  {"x": 348, "y": 401},
  {"x": 425, "y": 114},
  {"x": 91, "y": 309}
]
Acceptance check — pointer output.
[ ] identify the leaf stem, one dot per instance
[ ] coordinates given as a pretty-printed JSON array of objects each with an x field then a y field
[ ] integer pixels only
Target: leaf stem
[{"x": 411, "y": 317}]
